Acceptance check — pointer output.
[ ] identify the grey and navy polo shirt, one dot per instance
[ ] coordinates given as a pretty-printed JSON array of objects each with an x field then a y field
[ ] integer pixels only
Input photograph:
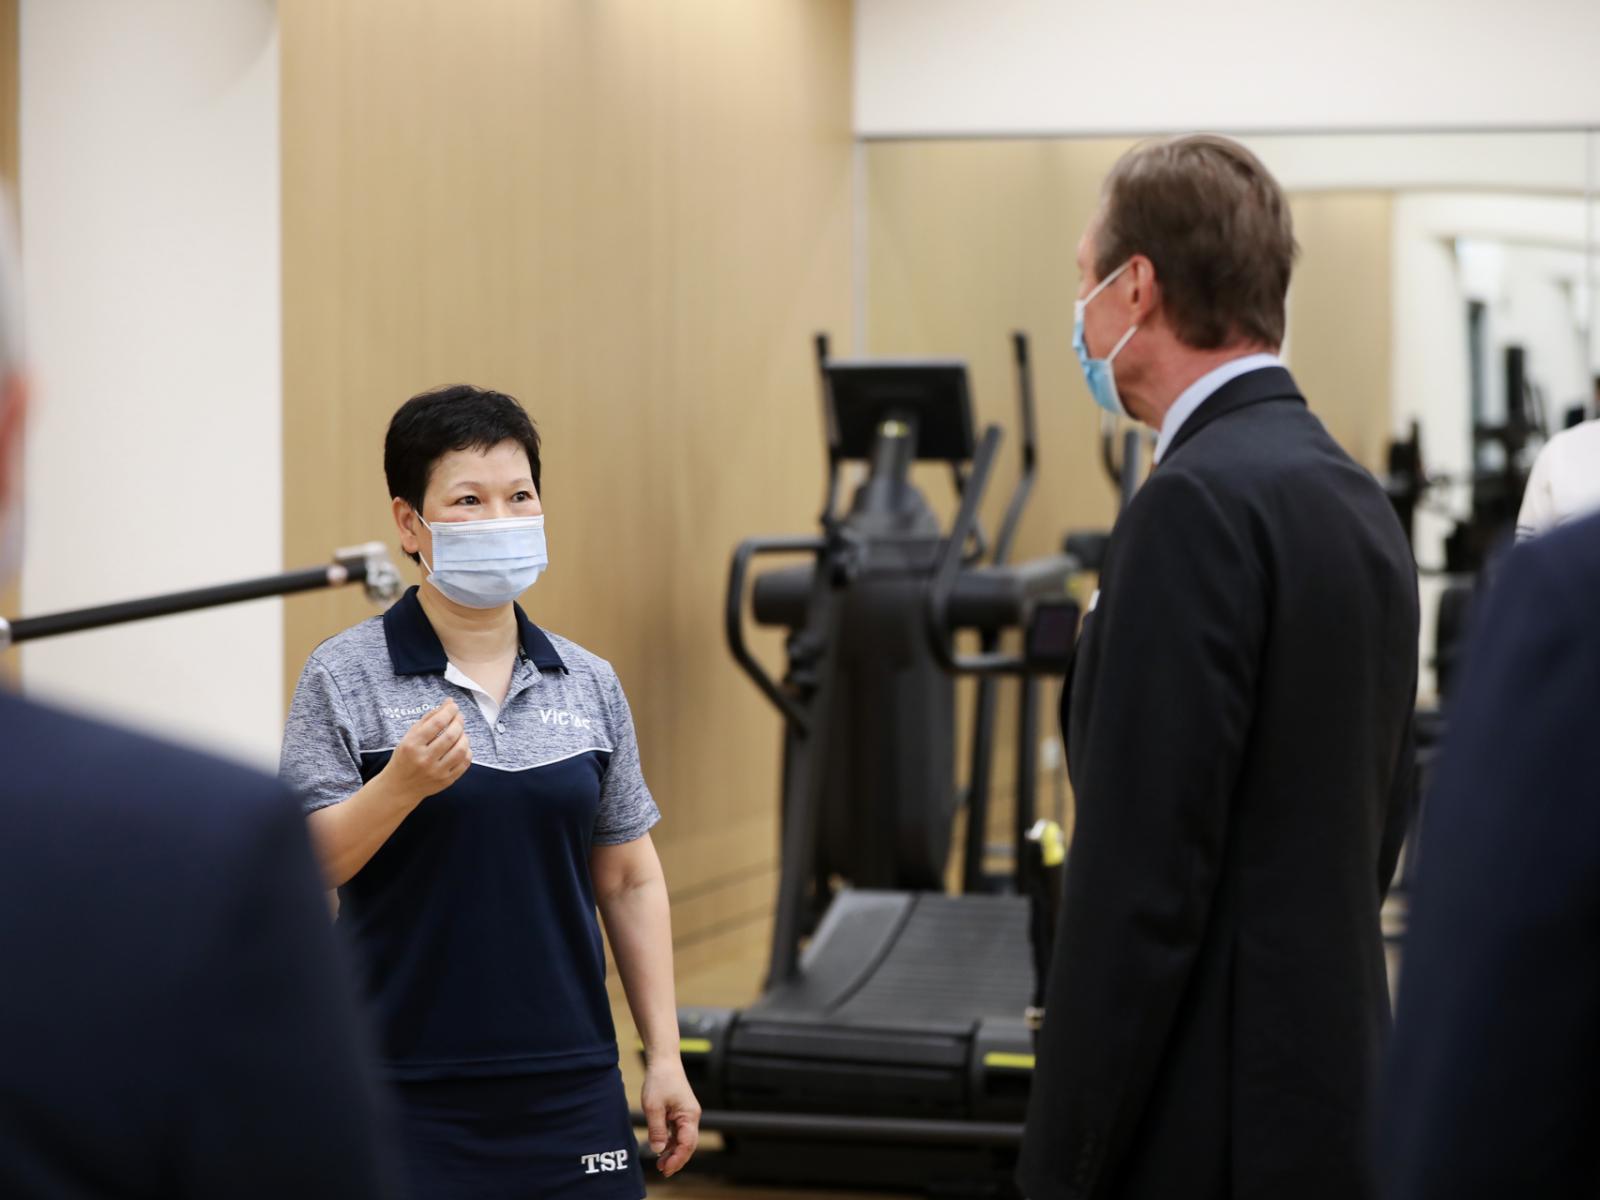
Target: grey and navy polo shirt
[{"x": 474, "y": 924}]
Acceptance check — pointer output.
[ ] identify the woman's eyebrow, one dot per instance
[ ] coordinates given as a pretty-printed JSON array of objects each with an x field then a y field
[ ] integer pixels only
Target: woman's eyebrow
[{"x": 473, "y": 484}]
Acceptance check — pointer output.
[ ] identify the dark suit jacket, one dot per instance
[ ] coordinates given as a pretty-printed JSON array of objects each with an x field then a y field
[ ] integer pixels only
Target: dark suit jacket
[
  {"x": 175, "y": 1018},
  {"x": 1237, "y": 731},
  {"x": 1493, "y": 1087}
]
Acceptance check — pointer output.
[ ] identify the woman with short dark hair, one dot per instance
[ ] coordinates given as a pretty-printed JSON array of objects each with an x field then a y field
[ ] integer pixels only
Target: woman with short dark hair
[{"x": 474, "y": 791}]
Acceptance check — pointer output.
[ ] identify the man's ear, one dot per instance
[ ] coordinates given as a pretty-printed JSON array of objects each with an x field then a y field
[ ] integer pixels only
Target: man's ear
[{"x": 1145, "y": 291}]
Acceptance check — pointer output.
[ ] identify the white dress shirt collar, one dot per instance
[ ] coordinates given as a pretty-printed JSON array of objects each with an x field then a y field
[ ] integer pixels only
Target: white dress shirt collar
[{"x": 1202, "y": 389}]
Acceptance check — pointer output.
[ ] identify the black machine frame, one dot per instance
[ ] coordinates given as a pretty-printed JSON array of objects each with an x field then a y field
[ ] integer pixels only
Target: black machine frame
[
  {"x": 857, "y": 1143},
  {"x": 837, "y": 559}
]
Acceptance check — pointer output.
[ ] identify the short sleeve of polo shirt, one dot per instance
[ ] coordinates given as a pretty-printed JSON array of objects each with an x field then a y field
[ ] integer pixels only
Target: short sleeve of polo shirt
[
  {"x": 321, "y": 757},
  {"x": 627, "y": 810}
]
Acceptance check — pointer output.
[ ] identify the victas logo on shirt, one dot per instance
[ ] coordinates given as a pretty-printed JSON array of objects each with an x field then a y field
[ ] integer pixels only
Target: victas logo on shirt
[{"x": 567, "y": 720}]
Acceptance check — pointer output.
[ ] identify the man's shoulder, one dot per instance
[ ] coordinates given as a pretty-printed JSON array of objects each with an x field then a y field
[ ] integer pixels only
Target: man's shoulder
[
  {"x": 1250, "y": 456},
  {"x": 1263, "y": 450},
  {"x": 1570, "y": 553},
  {"x": 1281, "y": 479},
  {"x": 1263, "y": 432},
  {"x": 1538, "y": 615},
  {"x": 127, "y": 778}
]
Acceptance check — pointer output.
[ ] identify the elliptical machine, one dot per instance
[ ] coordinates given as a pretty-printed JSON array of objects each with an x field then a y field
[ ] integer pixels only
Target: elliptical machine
[{"x": 897, "y": 1049}]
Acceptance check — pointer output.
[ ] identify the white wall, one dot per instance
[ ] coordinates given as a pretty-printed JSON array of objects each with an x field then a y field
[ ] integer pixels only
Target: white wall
[
  {"x": 149, "y": 138},
  {"x": 1524, "y": 258},
  {"x": 1520, "y": 161},
  {"x": 1534, "y": 299},
  {"x": 1027, "y": 67}
]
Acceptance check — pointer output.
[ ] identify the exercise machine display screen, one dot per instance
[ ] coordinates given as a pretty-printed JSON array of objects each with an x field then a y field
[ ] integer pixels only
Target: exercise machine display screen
[{"x": 930, "y": 395}]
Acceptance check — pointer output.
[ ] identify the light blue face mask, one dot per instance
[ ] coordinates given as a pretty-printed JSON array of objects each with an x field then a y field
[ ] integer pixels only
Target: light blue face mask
[
  {"x": 1097, "y": 371},
  {"x": 484, "y": 564}
]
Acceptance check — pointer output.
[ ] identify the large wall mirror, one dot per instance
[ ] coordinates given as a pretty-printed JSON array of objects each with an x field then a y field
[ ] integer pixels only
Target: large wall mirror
[{"x": 1440, "y": 318}]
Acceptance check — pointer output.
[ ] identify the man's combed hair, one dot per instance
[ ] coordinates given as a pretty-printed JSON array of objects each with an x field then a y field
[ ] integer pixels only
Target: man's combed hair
[
  {"x": 460, "y": 417},
  {"x": 1216, "y": 226}
]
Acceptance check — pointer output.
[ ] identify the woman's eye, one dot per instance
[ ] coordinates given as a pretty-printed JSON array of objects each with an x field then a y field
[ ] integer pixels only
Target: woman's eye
[
  {"x": 521, "y": 496},
  {"x": 467, "y": 500}
]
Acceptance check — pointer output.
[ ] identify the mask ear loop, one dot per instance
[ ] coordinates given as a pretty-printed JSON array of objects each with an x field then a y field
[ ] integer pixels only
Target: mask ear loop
[
  {"x": 1117, "y": 349},
  {"x": 429, "y": 528},
  {"x": 1106, "y": 282}
]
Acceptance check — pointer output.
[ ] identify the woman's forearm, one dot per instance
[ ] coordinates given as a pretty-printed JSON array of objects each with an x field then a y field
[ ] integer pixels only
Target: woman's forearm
[
  {"x": 347, "y": 835},
  {"x": 639, "y": 923}
]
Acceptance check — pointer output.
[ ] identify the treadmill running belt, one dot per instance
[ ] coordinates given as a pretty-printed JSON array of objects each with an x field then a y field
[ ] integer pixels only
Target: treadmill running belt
[{"x": 958, "y": 958}]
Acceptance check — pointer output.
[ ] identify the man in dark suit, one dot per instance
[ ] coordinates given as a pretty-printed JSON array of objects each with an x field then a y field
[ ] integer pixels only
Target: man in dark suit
[
  {"x": 175, "y": 1018},
  {"x": 1237, "y": 729},
  {"x": 1491, "y": 1086}
]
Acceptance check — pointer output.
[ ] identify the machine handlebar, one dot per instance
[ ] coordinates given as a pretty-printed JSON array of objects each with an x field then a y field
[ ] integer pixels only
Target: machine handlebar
[
  {"x": 943, "y": 584},
  {"x": 738, "y": 574}
]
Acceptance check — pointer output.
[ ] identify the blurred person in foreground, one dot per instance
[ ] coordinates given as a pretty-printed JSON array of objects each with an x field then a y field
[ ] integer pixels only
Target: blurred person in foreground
[
  {"x": 1237, "y": 730},
  {"x": 1491, "y": 1088},
  {"x": 176, "y": 1019}
]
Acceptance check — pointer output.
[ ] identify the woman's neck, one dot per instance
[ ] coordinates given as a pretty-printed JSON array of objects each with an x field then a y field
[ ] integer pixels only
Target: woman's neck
[{"x": 473, "y": 635}]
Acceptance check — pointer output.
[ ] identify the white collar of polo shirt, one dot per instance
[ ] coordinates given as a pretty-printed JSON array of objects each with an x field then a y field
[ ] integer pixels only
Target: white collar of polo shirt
[{"x": 485, "y": 702}]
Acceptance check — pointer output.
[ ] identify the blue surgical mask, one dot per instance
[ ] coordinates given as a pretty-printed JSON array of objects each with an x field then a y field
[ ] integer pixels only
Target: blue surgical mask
[
  {"x": 1097, "y": 371},
  {"x": 484, "y": 564}
]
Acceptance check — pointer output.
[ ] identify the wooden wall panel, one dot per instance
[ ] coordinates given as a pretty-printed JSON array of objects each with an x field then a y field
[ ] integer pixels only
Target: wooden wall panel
[
  {"x": 970, "y": 240},
  {"x": 1340, "y": 316},
  {"x": 630, "y": 215}
]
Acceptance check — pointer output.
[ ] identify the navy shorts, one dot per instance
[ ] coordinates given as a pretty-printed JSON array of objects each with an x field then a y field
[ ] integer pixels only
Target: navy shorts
[{"x": 566, "y": 1135}]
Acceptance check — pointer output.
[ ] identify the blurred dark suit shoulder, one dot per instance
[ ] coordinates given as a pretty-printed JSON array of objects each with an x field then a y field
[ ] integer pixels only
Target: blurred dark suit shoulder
[
  {"x": 1491, "y": 1085},
  {"x": 176, "y": 1018}
]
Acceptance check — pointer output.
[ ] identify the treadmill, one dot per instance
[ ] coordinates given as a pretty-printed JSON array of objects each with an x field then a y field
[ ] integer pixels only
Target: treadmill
[{"x": 892, "y": 1044}]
